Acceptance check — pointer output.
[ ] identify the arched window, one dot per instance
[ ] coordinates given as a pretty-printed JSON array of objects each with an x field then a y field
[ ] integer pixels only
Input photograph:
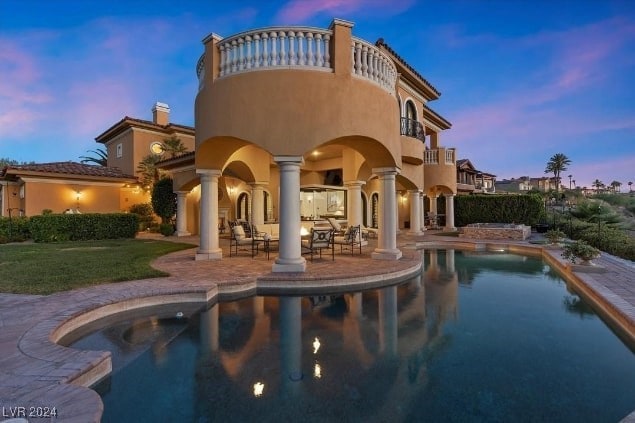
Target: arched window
[
  {"x": 364, "y": 209},
  {"x": 268, "y": 206}
]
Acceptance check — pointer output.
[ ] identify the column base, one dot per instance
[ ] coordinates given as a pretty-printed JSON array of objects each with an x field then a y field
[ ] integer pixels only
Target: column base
[
  {"x": 415, "y": 233},
  {"x": 289, "y": 265},
  {"x": 386, "y": 254},
  {"x": 209, "y": 255},
  {"x": 451, "y": 229},
  {"x": 182, "y": 233}
]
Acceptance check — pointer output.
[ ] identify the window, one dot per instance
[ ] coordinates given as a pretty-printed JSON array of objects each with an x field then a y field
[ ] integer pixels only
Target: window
[
  {"x": 411, "y": 111},
  {"x": 119, "y": 150}
]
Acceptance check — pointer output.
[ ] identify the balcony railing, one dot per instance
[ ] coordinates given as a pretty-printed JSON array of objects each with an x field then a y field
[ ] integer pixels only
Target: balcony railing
[
  {"x": 432, "y": 156},
  {"x": 303, "y": 48},
  {"x": 275, "y": 47},
  {"x": 371, "y": 63},
  {"x": 413, "y": 128}
]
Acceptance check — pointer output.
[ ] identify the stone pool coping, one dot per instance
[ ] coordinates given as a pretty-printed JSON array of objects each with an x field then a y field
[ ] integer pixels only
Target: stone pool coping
[{"x": 35, "y": 371}]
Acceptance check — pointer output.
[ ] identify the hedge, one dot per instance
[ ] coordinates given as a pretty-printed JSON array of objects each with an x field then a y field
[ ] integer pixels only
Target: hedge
[
  {"x": 15, "y": 229},
  {"x": 83, "y": 227},
  {"x": 527, "y": 209}
]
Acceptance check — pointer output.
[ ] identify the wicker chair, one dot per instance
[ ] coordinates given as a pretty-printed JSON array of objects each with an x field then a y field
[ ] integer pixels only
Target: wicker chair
[
  {"x": 351, "y": 239},
  {"x": 319, "y": 240}
]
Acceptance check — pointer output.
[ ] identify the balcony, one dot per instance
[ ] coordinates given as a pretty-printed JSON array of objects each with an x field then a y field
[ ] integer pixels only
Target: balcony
[
  {"x": 413, "y": 128},
  {"x": 301, "y": 48}
]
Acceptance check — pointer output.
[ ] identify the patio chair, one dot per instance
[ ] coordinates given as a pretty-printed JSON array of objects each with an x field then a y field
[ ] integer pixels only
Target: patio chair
[
  {"x": 351, "y": 239},
  {"x": 337, "y": 228},
  {"x": 239, "y": 238},
  {"x": 319, "y": 240}
]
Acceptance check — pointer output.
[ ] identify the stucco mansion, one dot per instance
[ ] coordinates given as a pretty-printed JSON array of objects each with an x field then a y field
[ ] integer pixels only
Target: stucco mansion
[{"x": 292, "y": 124}]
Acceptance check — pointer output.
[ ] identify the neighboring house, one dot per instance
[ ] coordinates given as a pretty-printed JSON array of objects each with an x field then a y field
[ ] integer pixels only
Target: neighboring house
[
  {"x": 130, "y": 140},
  {"x": 513, "y": 185},
  {"x": 469, "y": 180},
  {"x": 31, "y": 188},
  {"x": 297, "y": 123}
]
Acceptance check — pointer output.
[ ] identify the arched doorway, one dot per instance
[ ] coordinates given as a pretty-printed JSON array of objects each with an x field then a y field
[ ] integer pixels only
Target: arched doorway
[{"x": 364, "y": 209}]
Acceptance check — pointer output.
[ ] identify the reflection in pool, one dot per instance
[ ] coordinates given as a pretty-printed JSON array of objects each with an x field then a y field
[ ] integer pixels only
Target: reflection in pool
[{"x": 477, "y": 337}]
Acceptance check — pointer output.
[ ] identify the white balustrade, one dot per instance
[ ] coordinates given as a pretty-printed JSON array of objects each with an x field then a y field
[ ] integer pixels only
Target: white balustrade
[
  {"x": 371, "y": 63},
  {"x": 449, "y": 156},
  {"x": 431, "y": 157},
  {"x": 298, "y": 47},
  {"x": 275, "y": 48}
]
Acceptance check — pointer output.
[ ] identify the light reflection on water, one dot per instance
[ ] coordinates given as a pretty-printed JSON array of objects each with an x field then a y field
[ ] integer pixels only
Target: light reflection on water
[{"x": 476, "y": 337}]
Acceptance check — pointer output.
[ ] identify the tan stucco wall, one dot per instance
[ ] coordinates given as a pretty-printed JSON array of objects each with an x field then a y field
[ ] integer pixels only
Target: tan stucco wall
[
  {"x": 136, "y": 145},
  {"x": 61, "y": 196},
  {"x": 290, "y": 112}
]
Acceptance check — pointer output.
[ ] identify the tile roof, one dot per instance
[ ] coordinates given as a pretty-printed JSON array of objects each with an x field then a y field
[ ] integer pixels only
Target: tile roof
[
  {"x": 128, "y": 122},
  {"x": 381, "y": 43},
  {"x": 68, "y": 168}
]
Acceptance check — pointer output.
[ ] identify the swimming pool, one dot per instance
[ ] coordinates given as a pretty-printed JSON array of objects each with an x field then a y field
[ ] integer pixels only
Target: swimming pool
[{"x": 477, "y": 337}]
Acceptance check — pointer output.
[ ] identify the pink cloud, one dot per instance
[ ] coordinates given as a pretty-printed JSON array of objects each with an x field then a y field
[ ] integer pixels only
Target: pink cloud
[{"x": 296, "y": 11}]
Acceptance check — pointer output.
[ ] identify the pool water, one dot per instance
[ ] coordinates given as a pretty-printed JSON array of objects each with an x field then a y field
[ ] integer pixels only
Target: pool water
[{"x": 477, "y": 337}]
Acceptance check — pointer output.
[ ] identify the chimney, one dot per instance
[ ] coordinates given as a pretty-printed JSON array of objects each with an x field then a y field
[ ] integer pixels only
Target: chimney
[{"x": 161, "y": 113}]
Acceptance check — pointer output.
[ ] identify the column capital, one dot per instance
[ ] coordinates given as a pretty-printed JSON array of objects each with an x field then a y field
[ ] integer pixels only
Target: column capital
[
  {"x": 386, "y": 170},
  {"x": 209, "y": 172},
  {"x": 449, "y": 195},
  {"x": 181, "y": 192},
  {"x": 354, "y": 183},
  {"x": 258, "y": 184},
  {"x": 299, "y": 160}
]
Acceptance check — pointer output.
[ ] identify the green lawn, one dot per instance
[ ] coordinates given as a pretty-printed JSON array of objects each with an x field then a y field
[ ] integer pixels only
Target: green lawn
[{"x": 52, "y": 267}]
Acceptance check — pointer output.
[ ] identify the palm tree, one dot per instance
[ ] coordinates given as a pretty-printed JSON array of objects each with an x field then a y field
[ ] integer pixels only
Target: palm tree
[
  {"x": 173, "y": 146},
  {"x": 629, "y": 186},
  {"x": 101, "y": 158},
  {"x": 616, "y": 186},
  {"x": 556, "y": 164},
  {"x": 597, "y": 184},
  {"x": 149, "y": 171}
]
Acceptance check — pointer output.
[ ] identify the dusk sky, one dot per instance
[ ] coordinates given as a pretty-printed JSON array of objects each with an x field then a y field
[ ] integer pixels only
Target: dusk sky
[{"x": 520, "y": 80}]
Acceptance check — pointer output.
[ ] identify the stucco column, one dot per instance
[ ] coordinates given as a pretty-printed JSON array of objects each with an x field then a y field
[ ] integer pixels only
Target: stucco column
[
  {"x": 423, "y": 212},
  {"x": 354, "y": 202},
  {"x": 290, "y": 249},
  {"x": 387, "y": 231},
  {"x": 449, "y": 212},
  {"x": 433, "y": 204},
  {"x": 181, "y": 213},
  {"x": 257, "y": 203},
  {"x": 208, "y": 248},
  {"x": 415, "y": 212}
]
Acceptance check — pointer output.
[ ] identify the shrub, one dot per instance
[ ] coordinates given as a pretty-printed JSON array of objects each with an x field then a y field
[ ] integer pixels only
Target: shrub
[
  {"x": 144, "y": 213},
  {"x": 555, "y": 235},
  {"x": 527, "y": 209},
  {"x": 164, "y": 199},
  {"x": 14, "y": 229},
  {"x": 47, "y": 211},
  {"x": 579, "y": 250},
  {"x": 81, "y": 227},
  {"x": 166, "y": 229}
]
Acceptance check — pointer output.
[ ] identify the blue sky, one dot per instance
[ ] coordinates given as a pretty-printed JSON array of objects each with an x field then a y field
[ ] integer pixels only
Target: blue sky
[{"x": 520, "y": 80}]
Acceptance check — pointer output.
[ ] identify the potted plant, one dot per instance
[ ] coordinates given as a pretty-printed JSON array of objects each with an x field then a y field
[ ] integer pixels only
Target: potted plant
[
  {"x": 580, "y": 250},
  {"x": 555, "y": 236}
]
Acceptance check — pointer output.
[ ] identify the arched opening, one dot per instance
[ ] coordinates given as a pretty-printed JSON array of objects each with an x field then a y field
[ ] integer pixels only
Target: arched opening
[
  {"x": 268, "y": 207},
  {"x": 375, "y": 210},
  {"x": 411, "y": 111},
  {"x": 364, "y": 209},
  {"x": 242, "y": 206}
]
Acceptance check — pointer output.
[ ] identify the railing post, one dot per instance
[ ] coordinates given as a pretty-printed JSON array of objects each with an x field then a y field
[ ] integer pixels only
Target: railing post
[{"x": 341, "y": 53}]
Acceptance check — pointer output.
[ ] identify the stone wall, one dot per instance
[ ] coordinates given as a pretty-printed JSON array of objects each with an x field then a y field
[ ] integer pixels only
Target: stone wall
[{"x": 518, "y": 233}]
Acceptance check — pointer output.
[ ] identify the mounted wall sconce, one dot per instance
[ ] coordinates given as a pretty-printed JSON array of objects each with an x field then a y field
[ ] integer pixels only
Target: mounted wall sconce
[{"x": 78, "y": 195}]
